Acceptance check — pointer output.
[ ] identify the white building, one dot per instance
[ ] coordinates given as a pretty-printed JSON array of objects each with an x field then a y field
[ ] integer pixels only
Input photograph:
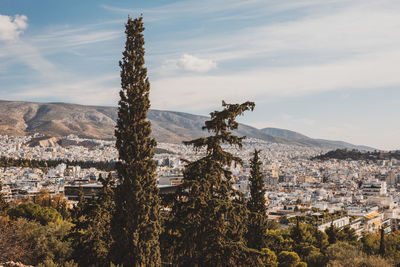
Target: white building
[{"x": 374, "y": 188}]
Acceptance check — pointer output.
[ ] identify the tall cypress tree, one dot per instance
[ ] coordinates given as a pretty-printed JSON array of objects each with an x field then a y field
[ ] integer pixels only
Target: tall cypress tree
[
  {"x": 257, "y": 223},
  {"x": 208, "y": 215},
  {"x": 136, "y": 222}
]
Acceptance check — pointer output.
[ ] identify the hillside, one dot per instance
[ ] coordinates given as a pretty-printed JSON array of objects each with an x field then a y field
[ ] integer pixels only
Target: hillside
[
  {"x": 60, "y": 119},
  {"x": 343, "y": 154},
  {"x": 305, "y": 140}
]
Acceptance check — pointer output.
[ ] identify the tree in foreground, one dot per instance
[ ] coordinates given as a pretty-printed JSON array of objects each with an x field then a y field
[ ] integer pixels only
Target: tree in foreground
[
  {"x": 344, "y": 254},
  {"x": 257, "y": 222},
  {"x": 382, "y": 242},
  {"x": 290, "y": 259},
  {"x": 136, "y": 223},
  {"x": 29, "y": 242},
  {"x": 208, "y": 214},
  {"x": 3, "y": 203},
  {"x": 332, "y": 233},
  {"x": 91, "y": 235}
]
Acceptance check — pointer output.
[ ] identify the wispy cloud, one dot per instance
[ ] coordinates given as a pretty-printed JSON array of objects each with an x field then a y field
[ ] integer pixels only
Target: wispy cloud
[
  {"x": 345, "y": 45},
  {"x": 92, "y": 90},
  {"x": 225, "y": 9},
  {"x": 55, "y": 40},
  {"x": 354, "y": 29}
]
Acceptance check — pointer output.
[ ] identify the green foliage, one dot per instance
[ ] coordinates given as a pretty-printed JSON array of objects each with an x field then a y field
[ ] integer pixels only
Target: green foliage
[
  {"x": 289, "y": 259},
  {"x": 136, "y": 224},
  {"x": 382, "y": 242},
  {"x": 50, "y": 263},
  {"x": 344, "y": 154},
  {"x": 207, "y": 224},
  {"x": 257, "y": 221},
  {"x": 15, "y": 244},
  {"x": 303, "y": 239},
  {"x": 332, "y": 233},
  {"x": 284, "y": 220},
  {"x": 370, "y": 243},
  {"x": 269, "y": 258},
  {"x": 307, "y": 239},
  {"x": 344, "y": 254},
  {"x": 272, "y": 225},
  {"x": 91, "y": 235},
  {"x": 3, "y": 203},
  {"x": 44, "y": 199},
  {"x": 348, "y": 234},
  {"x": 392, "y": 246},
  {"x": 31, "y": 242},
  {"x": 315, "y": 259},
  {"x": 20, "y": 162},
  {"x": 278, "y": 240},
  {"x": 32, "y": 211}
]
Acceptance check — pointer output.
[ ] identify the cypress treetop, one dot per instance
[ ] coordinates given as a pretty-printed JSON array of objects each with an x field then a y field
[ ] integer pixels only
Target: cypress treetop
[
  {"x": 136, "y": 225},
  {"x": 257, "y": 223}
]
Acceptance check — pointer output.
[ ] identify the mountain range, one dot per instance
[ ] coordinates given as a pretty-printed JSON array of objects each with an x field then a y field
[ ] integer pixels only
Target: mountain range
[{"x": 61, "y": 119}]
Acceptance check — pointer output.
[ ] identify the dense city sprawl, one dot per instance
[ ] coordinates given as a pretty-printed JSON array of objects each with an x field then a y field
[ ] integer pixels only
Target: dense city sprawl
[{"x": 363, "y": 193}]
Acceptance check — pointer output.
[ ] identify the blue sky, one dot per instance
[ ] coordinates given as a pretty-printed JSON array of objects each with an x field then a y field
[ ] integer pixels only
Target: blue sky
[{"x": 325, "y": 68}]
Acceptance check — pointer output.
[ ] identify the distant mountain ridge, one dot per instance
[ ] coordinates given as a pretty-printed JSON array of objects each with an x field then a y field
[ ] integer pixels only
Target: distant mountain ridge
[
  {"x": 305, "y": 140},
  {"x": 60, "y": 119},
  {"x": 284, "y": 133}
]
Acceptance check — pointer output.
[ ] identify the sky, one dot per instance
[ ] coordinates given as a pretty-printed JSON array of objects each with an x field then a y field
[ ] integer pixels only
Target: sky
[{"x": 325, "y": 68}]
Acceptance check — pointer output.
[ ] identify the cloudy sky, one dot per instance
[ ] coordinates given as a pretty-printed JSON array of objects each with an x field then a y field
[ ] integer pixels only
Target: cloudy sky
[{"x": 326, "y": 68}]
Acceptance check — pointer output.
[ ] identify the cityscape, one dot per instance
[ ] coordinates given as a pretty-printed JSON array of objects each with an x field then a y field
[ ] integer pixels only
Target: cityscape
[
  {"x": 216, "y": 133},
  {"x": 366, "y": 190}
]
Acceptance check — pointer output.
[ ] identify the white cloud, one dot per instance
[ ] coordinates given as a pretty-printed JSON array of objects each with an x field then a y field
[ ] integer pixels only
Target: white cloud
[
  {"x": 10, "y": 30},
  {"x": 191, "y": 63},
  {"x": 12, "y": 27},
  {"x": 204, "y": 91},
  {"x": 350, "y": 45},
  {"x": 56, "y": 39}
]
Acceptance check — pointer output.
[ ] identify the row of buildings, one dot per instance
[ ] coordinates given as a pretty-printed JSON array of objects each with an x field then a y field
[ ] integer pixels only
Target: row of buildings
[{"x": 368, "y": 192}]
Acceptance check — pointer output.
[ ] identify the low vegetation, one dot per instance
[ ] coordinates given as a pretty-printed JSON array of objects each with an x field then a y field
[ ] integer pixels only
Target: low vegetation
[{"x": 344, "y": 154}]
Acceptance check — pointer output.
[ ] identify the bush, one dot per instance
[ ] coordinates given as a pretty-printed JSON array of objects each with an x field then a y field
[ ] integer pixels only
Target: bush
[
  {"x": 289, "y": 259},
  {"x": 344, "y": 254},
  {"x": 33, "y": 243},
  {"x": 32, "y": 211}
]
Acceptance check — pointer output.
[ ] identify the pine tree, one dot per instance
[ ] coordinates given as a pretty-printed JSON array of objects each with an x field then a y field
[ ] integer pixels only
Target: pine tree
[
  {"x": 92, "y": 238},
  {"x": 208, "y": 215},
  {"x": 332, "y": 233},
  {"x": 136, "y": 222},
  {"x": 382, "y": 248},
  {"x": 80, "y": 209},
  {"x": 257, "y": 222},
  {"x": 80, "y": 222},
  {"x": 3, "y": 203}
]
